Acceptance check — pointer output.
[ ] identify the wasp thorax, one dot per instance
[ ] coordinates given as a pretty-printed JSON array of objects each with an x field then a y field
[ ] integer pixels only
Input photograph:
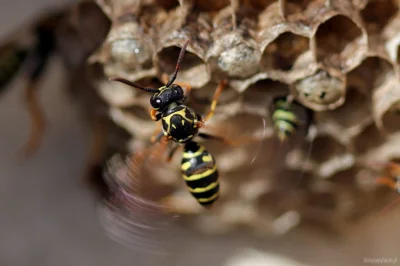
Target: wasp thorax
[{"x": 166, "y": 96}]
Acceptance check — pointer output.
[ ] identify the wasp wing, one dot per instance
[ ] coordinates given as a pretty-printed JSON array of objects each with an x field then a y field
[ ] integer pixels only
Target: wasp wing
[{"x": 132, "y": 214}]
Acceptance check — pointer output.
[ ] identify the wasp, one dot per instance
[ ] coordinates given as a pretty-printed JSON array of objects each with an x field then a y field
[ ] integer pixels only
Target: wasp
[
  {"x": 287, "y": 118},
  {"x": 181, "y": 124}
]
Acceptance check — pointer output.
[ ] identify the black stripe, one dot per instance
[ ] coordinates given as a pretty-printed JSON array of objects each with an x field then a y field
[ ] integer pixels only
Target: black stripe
[
  {"x": 207, "y": 194},
  {"x": 203, "y": 182},
  {"x": 208, "y": 203}
]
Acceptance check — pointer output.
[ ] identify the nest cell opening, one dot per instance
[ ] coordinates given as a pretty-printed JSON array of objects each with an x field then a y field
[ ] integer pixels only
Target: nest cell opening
[
  {"x": 211, "y": 5},
  {"x": 259, "y": 4},
  {"x": 355, "y": 110},
  {"x": 193, "y": 69},
  {"x": 369, "y": 139},
  {"x": 264, "y": 91},
  {"x": 325, "y": 147},
  {"x": 391, "y": 118},
  {"x": 167, "y": 4},
  {"x": 377, "y": 14},
  {"x": 371, "y": 74},
  {"x": 282, "y": 53},
  {"x": 334, "y": 36},
  {"x": 324, "y": 200}
]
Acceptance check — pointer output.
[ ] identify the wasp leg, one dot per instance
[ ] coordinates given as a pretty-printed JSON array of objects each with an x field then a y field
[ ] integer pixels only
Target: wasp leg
[
  {"x": 214, "y": 102},
  {"x": 387, "y": 181},
  {"x": 156, "y": 137},
  {"x": 172, "y": 152},
  {"x": 393, "y": 168}
]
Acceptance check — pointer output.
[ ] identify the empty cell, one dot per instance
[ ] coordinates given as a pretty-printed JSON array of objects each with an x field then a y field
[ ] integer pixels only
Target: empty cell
[
  {"x": 334, "y": 36},
  {"x": 370, "y": 138},
  {"x": 326, "y": 147},
  {"x": 167, "y": 4},
  {"x": 283, "y": 51},
  {"x": 264, "y": 91},
  {"x": 324, "y": 200},
  {"x": 391, "y": 118},
  {"x": 355, "y": 111},
  {"x": 378, "y": 13},
  {"x": 259, "y": 4},
  {"x": 370, "y": 74},
  {"x": 193, "y": 69},
  {"x": 211, "y": 5}
]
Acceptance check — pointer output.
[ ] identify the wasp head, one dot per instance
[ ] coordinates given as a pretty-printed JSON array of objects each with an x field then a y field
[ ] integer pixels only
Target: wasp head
[{"x": 165, "y": 96}]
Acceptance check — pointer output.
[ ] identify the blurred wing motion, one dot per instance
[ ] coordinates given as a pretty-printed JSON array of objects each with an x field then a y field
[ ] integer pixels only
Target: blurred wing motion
[{"x": 132, "y": 215}]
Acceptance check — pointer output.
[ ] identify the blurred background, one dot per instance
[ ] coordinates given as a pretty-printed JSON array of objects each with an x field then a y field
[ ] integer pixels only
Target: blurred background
[{"x": 48, "y": 216}]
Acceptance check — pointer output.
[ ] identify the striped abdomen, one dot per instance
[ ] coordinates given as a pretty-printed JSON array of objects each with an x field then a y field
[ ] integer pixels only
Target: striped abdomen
[
  {"x": 285, "y": 121},
  {"x": 199, "y": 170},
  {"x": 11, "y": 59}
]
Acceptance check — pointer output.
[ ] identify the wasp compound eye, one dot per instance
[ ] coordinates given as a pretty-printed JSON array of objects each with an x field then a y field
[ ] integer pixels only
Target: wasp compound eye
[
  {"x": 156, "y": 103},
  {"x": 179, "y": 91}
]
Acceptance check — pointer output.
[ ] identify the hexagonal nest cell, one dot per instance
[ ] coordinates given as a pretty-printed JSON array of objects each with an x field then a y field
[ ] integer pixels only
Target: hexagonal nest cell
[
  {"x": 282, "y": 53},
  {"x": 334, "y": 37},
  {"x": 377, "y": 14},
  {"x": 193, "y": 69}
]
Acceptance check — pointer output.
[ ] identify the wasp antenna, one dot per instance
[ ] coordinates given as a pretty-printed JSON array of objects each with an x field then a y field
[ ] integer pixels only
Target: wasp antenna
[
  {"x": 178, "y": 64},
  {"x": 127, "y": 82}
]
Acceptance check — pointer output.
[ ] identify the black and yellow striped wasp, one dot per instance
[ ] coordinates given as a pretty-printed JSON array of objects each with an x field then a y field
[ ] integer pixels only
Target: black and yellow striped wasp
[
  {"x": 181, "y": 124},
  {"x": 288, "y": 116}
]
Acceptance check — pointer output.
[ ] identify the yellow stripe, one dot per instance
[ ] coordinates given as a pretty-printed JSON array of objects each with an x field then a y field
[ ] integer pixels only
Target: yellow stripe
[
  {"x": 204, "y": 200},
  {"x": 185, "y": 166},
  {"x": 207, "y": 158},
  {"x": 204, "y": 189},
  {"x": 200, "y": 176},
  {"x": 192, "y": 155}
]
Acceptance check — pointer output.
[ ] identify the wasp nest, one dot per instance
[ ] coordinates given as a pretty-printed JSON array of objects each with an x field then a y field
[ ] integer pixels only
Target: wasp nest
[{"x": 339, "y": 59}]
